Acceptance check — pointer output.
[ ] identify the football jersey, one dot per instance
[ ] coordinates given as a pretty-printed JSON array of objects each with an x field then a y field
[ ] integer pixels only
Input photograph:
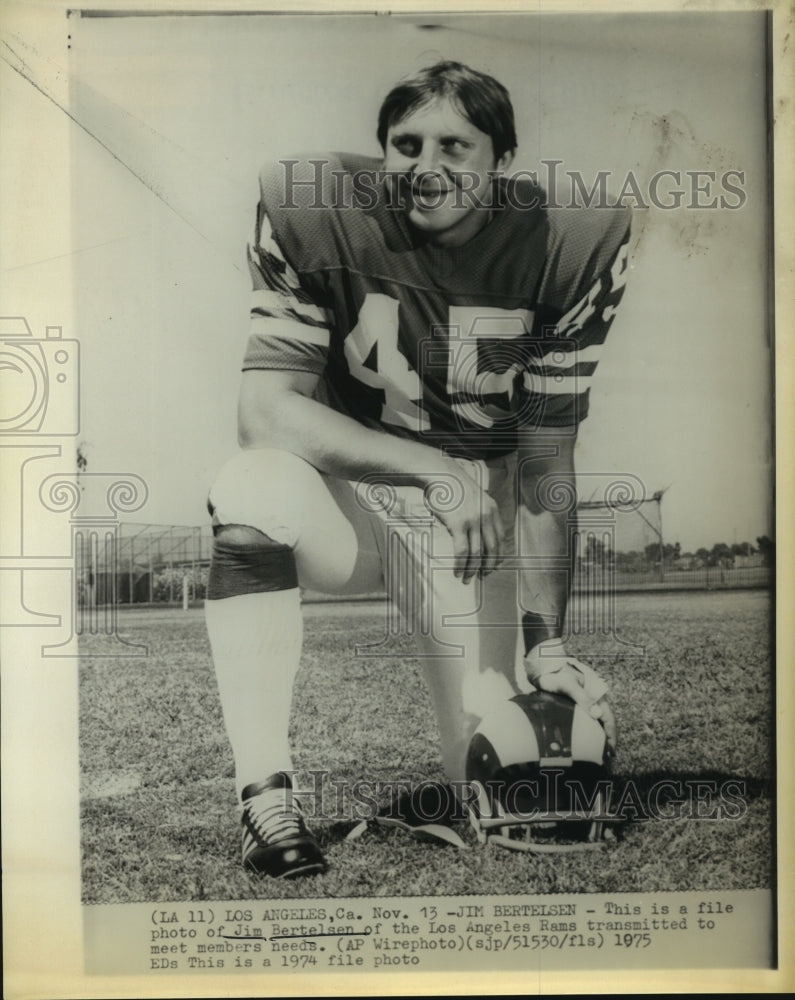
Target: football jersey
[{"x": 457, "y": 347}]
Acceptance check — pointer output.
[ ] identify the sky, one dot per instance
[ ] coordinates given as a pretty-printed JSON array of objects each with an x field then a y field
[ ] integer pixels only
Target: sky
[{"x": 172, "y": 117}]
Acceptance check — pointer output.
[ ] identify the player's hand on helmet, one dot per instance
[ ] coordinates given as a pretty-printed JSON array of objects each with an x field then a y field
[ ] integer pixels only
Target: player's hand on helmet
[
  {"x": 550, "y": 668},
  {"x": 474, "y": 522}
]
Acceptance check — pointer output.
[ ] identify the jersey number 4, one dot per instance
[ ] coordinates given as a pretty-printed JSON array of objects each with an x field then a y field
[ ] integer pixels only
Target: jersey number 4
[{"x": 371, "y": 350}]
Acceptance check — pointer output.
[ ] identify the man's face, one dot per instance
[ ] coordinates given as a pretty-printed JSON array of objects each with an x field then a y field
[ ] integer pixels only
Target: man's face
[{"x": 446, "y": 162}]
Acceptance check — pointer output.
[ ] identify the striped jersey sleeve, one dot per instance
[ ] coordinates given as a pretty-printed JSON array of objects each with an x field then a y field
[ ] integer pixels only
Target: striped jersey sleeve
[
  {"x": 288, "y": 330},
  {"x": 564, "y": 360}
]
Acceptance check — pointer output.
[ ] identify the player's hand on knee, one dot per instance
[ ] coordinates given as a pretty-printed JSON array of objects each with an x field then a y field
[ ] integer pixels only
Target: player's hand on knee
[
  {"x": 475, "y": 526},
  {"x": 551, "y": 669}
]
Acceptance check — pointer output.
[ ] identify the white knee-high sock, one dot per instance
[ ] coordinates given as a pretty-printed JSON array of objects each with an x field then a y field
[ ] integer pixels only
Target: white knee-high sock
[
  {"x": 465, "y": 687},
  {"x": 256, "y": 647}
]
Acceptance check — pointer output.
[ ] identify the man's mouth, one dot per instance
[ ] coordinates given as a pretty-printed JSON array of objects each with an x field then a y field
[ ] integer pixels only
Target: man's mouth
[
  {"x": 430, "y": 189},
  {"x": 429, "y": 195}
]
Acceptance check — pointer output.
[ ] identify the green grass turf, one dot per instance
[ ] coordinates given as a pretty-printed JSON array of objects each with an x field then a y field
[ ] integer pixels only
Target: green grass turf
[{"x": 160, "y": 821}]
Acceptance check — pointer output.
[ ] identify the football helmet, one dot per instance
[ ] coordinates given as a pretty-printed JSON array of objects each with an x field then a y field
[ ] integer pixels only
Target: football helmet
[{"x": 537, "y": 770}]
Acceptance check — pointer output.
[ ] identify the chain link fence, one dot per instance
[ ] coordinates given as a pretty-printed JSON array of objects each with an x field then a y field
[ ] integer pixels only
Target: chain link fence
[{"x": 619, "y": 546}]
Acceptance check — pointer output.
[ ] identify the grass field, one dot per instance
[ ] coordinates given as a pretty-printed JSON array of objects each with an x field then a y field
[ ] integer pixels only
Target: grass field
[{"x": 159, "y": 817}]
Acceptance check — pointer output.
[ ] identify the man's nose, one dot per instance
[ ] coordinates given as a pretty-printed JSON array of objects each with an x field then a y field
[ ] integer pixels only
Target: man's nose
[{"x": 428, "y": 159}]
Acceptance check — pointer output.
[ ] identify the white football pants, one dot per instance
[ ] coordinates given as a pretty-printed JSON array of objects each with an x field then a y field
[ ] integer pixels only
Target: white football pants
[{"x": 353, "y": 538}]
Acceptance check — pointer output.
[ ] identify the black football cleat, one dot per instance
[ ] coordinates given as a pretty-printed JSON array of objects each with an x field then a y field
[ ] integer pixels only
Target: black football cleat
[{"x": 276, "y": 840}]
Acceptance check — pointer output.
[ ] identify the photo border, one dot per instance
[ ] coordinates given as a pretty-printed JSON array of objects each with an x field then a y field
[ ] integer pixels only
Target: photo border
[{"x": 43, "y": 915}]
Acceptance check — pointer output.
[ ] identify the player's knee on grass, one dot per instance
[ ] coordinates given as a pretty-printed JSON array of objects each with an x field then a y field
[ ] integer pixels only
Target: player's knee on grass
[{"x": 246, "y": 561}]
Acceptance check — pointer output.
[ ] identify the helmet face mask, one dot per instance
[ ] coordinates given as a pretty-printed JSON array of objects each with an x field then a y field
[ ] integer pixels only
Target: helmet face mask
[{"x": 538, "y": 777}]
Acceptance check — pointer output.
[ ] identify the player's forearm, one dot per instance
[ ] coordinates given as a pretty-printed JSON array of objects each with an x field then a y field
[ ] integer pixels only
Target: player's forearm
[{"x": 337, "y": 444}]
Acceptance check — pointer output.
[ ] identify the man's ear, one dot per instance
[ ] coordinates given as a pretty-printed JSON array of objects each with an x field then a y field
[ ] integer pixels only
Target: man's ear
[{"x": 504, "y": 161}]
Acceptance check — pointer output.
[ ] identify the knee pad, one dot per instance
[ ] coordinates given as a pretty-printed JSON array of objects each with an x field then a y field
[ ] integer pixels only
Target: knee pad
[
  {"x": 267, "y": 489},
  {"x": 246, "y": 561}
]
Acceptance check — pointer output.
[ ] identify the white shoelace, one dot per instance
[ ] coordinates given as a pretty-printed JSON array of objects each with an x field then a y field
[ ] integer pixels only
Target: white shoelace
[{"x": 273, "y": 816}]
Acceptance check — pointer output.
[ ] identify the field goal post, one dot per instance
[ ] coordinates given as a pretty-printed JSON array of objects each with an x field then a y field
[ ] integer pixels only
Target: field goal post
[{"x": 619, "y": 541}]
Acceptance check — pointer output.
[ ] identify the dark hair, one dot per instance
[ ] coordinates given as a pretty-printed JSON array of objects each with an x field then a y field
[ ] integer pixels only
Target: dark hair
[{"x": 480, "y": 99}]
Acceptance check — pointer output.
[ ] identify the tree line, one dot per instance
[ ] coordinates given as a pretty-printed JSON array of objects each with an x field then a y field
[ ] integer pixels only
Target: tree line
[{"x": 721, "y": 554}]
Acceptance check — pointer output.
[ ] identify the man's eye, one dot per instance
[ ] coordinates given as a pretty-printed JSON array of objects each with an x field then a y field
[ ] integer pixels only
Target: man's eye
[
  {"x": 408, "y": 147},
  {"x": 455, "y": 146}
]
